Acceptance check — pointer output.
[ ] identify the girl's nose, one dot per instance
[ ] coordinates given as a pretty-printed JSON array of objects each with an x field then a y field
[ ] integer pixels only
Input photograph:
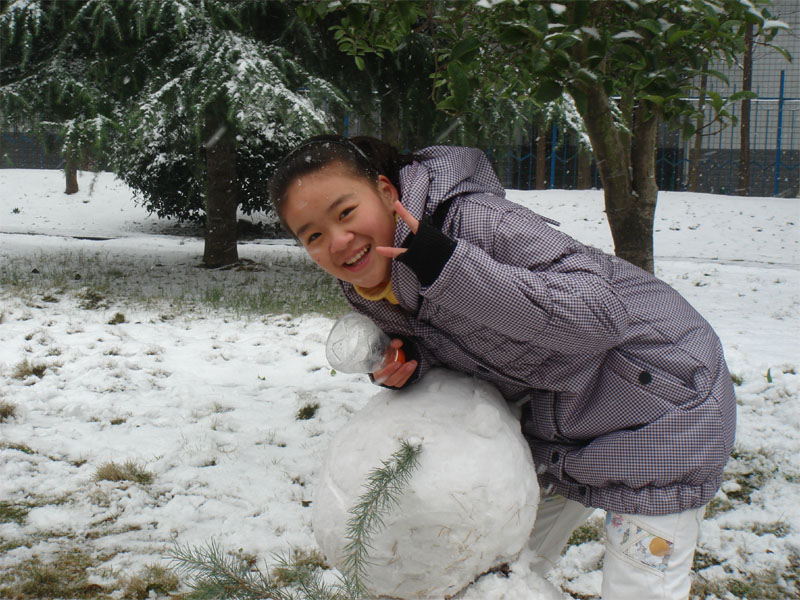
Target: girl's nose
[{"x": 340, "y": 239}]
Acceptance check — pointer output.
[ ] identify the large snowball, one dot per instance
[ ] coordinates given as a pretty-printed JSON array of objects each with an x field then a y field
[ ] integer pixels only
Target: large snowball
[{"x": 470, "y": 504}]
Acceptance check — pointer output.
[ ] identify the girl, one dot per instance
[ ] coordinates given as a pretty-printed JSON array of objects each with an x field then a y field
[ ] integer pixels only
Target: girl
[{"x": 626, "y": 400}]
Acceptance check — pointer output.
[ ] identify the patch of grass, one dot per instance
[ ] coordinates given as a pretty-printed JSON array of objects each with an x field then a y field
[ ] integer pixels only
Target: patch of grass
[
  {"x": 736, "y": 379},
  {"x": 13, "y": 513},
  {"x": 749, "y": 483},
  {"x": 750, "y": 471},
  {"x": 764, "y": 585},
  {"x": 152, "y": 578},
  {"x": 307, "y": 411},
  {"x": 25, "y": 369},
  {"x": 7, "y": 410},
  {"x": 66, "y": 576},
  {"x": 591, "y": 531},
  {"x": 703, "y": 560},
  {"x": 117, "y": 319},
  {"x": 19, "y": 448},
  {"x": 779, "y": 529},
  {"x": 213, "y": 297},
  {"x": 9, "y": 545},
  {"x": 289, "y": 284},
  {"x": 302, "y": 562},
  {"x": 717, "y": 506},
  {"x": 92, "y": 299},
  {"x": 130, "y": 470}
]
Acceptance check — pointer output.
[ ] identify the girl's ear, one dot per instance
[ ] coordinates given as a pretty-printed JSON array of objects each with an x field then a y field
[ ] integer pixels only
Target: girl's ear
[{"x": 387, "y": 191}]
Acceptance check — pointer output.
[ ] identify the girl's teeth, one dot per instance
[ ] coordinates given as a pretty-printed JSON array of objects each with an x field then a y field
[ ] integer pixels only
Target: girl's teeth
[{"x": 357, "y": 256}]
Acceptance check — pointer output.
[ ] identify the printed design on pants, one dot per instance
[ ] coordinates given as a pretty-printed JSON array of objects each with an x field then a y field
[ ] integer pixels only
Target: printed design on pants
[{"x": 636, "y": 543}]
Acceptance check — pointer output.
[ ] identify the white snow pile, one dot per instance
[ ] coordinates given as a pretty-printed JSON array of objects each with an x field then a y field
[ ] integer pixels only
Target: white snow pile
[{"x": 470, "y": 504}]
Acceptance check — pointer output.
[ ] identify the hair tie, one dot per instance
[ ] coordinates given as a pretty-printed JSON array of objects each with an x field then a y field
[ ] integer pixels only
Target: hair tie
[{"x": 339, "y": 141}]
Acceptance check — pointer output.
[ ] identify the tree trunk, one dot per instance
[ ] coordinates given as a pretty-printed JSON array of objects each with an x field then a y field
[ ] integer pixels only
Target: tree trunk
[
  {"x": 584, "y": 168},
  {"x": 743, "y": 184},
  {"x": 636, "y": 243},
  {"x": 629, "y": 188},
  {"x": 221, "y": 198},
  {"x": 71, "y": 172},
  {"x": 541, "y": 156}
]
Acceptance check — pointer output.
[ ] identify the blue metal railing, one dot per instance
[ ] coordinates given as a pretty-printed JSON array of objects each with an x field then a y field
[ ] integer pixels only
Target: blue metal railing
[{"x": 775, "y": 154}]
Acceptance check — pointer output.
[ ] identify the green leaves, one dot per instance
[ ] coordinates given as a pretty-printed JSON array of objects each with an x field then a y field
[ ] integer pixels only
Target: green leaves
[
  {"x": 466, "y": 50},
  {"x": 650, "y": 51},
  {"x": 548, "y": 91}
]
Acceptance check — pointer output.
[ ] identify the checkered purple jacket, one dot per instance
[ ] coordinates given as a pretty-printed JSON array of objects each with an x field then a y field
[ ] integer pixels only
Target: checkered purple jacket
[{"x": 627, "y": 402}]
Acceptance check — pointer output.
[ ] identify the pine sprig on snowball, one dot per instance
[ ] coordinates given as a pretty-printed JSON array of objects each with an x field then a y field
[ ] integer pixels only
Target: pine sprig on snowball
[{"x": 384, "y": 486}]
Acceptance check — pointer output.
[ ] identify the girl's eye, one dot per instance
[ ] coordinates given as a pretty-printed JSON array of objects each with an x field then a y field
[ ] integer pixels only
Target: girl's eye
[
  {"x": 345, "y": 212},
  {"x": 311, "y": 238}
]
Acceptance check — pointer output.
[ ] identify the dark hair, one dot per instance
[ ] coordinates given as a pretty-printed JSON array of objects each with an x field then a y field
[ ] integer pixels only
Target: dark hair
[{"x": 363, "y": 156}]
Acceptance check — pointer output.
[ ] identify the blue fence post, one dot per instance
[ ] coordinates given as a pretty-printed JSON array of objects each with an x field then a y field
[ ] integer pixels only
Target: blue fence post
[
  {"x": 553, "y": 142},
  {"x": 778, "y": 141}
]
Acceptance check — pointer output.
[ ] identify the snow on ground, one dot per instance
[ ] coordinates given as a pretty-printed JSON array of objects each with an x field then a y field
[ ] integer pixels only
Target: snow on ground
[{"x": 207, "y": 400}]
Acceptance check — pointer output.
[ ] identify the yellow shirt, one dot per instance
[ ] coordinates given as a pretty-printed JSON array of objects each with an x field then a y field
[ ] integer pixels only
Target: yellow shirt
[{"x": 383, "y": 294}]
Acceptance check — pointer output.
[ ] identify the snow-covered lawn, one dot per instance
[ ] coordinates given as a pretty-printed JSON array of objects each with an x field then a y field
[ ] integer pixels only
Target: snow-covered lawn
[{"x": 121, "y": 350}]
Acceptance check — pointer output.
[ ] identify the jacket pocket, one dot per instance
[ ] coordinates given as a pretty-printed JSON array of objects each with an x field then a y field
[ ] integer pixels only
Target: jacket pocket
[
  {"x": 538, "y": 416},
  {"x": 652, "y": 380}
]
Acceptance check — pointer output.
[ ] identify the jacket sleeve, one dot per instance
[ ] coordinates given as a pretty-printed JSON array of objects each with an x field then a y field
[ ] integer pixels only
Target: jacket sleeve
[{"x": 513, "y": 273}]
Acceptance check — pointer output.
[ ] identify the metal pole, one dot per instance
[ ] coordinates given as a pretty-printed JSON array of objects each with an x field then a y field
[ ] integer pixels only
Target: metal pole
[
  {"x": 553, "y": 141},
  {"x": 778, "y": 141}
]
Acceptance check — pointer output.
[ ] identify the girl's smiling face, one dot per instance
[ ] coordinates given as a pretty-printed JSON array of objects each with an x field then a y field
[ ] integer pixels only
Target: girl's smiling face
[{"x": 340, "y": 219}]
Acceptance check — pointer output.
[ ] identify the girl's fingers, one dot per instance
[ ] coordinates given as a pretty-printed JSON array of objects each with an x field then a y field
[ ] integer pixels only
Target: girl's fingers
[
  {"x": 390, "y": 251},
  {"x": 413, "y": 225},
  {"x": 395, "y": 374},
  {"x": 410, "y": 220},
  {"x": 400, "y": 376},
  {"x": 385, "y": 375}
]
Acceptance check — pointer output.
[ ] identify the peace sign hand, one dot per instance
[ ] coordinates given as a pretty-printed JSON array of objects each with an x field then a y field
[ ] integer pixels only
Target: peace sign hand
[{"x": 413, "y": 225}]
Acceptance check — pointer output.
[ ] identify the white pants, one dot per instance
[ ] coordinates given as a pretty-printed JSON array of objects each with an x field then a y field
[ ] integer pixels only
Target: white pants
[{"x": 645, "y": 557}]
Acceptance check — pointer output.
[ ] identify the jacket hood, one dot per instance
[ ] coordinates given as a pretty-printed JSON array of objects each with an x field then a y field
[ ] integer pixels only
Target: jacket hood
[{"x": 439, "y": 174}]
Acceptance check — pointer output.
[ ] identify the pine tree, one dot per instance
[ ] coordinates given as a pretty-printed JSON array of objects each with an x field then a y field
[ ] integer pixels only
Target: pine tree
[
  {"x": 185, "y": 100},
  {"x": 53, "y": 77},
  {"x": 215, "y": 116}
]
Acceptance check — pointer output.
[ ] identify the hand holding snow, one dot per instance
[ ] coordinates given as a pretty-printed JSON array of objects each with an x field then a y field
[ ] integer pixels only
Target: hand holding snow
[{"x": 470, "y": 505}]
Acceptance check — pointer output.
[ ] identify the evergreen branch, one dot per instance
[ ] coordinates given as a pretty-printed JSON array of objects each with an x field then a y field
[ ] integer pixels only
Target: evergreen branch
[
  {"x": 384, "y": 487},
  {"x": 216, "y": 574}
]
